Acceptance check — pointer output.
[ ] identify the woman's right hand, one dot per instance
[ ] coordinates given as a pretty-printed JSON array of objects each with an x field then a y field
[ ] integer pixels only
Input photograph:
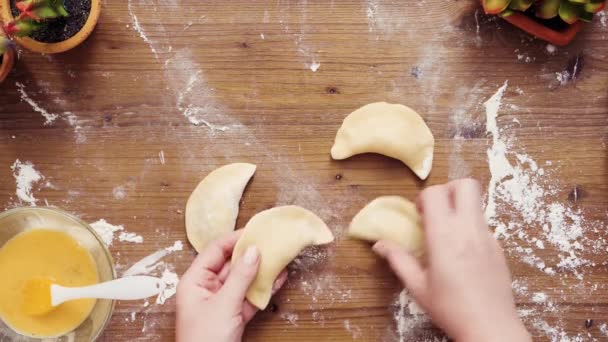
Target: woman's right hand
[{"x": 465, "y": 285}]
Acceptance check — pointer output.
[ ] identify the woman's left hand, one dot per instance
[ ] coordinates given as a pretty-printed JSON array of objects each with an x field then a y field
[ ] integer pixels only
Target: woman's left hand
[{"x": 211, "y": 304}]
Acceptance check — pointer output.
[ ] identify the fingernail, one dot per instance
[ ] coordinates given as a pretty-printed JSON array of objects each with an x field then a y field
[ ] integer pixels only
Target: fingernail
[
  {"x": 251, "y": 255},
  {"x": 276, "y": 285},
  {"x": 378, "y": 248}
]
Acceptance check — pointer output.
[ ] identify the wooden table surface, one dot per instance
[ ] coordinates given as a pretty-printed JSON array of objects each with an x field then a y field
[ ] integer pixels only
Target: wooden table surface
[{"x": 212, "y": 82}]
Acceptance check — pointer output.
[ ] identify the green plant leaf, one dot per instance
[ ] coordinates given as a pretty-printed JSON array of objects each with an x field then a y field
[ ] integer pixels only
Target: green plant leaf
[
  {"x": 548, "y": 9},
  {"x": 506, "y": 13},
  {"x": 45, "y": 13},
  {"x": 569, "y": 12},
  {"x": 520, "y": 5},
  {"x": 586, "y": 16},
  {"x": 59, "y": 6},
  {"x": 62, "y": 11},
  {"x": 579, "y": 1},
  {"x": 495, "y": 6},
  {"x": 26, "y": 27},
  {"x": 594, "y": 7}
]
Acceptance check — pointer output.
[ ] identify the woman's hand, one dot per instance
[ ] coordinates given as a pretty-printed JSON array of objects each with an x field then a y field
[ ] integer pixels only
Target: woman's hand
[
  {"x": 465, "y": 285},
  {"x": 211, "y": 304}
]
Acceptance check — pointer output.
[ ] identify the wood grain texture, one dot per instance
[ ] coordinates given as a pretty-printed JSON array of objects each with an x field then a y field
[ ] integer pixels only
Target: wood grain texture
[{"x": 247, "y": 65}]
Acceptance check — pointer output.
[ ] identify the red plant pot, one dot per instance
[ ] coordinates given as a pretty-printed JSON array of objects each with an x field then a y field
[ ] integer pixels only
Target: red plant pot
[
  {"x": 537, "y": 29},
  {"x": 8, "y": 61},
  {"x": 541, "y": 31}
]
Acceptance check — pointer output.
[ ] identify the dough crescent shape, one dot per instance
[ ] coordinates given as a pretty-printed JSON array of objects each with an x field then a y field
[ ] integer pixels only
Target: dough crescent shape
[
  {"x": 393, "y": 130},
  {"x": 391, "y": 218},
  {"x": 213, "y": 206},
  {"x": 280, "y": 234}
]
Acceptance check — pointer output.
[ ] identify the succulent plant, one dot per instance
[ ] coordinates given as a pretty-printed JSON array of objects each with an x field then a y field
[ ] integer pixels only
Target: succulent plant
[
  {"x": 33, "y": 14},
  {"x": 570, "y": 11}
]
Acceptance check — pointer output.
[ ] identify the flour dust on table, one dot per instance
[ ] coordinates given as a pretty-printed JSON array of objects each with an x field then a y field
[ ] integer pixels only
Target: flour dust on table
[
  {"x": 410, "y": 319},
  {"x": 150, "y": 265},
  {"x": 106, "y": 230},
  {"x": 25, "y": 97},
  {"x": 527, "y": 216},
  {"x": 26, "y": 177},
  {"x": 51, "y": 117},
  {"x": 140, "y": 31}
]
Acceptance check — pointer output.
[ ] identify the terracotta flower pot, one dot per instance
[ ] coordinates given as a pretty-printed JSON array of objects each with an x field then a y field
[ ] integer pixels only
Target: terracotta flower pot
[
  {"x": 8, "y": 61},
  {"x": 50, "y": 48},
  {"x": 537, "y": 29},
  {"x": 543, "y": 32}
]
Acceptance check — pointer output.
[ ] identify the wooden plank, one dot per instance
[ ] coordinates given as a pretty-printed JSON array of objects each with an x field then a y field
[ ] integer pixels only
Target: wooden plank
[{"x": 121, "y": 99}]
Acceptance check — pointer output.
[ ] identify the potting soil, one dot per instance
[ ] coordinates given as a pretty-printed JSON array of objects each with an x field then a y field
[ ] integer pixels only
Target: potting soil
[{"x": 58, "y": 30}]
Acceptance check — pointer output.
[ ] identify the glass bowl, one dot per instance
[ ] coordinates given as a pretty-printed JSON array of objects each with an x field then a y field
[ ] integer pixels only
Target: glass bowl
[{"x": 15, "y": 221}]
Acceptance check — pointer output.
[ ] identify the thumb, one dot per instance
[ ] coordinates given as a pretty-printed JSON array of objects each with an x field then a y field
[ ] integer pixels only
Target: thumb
[
  {"x": 242, "y": 274},
  {"x": 406, "y": 267}
]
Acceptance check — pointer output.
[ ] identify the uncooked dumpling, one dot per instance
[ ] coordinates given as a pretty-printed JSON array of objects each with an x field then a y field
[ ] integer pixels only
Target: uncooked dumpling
[
  {"x": 213, "y": 207},
  {"x": 391, "y": 218},
  {"x": 279, "y": 234},
  {"x": 393, "y": 130}
]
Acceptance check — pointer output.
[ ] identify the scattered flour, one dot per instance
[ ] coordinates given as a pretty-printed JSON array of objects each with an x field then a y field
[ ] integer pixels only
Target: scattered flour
[
  {"x": 497, "y": 160},
  {"x": 49, "y": 117},
  {"x": 107, "y": 233},
  {"x": 603, "y": 18},
  {"x": 539, "y": 297},
  {"x": 169, "y": 281},
  {"x": 290, "y": 317},
  {"x": 461, "y": 122},
  {"x": 314, "y": 66},
  {"x": 325, "y": 288},
  {"x": 521, "y": 188},
  {"x": 25, "y": 177},
  {"x": 137, "y": 27},
  {"x": 106, "y": 230},
  {"x": 194, "y": 97},
  {"x": 371, "y": 11},
  {"x": 354, "y": 330},
  {"x": 524, "y": 208},
  {"x": 177, "y": 246},
  {"x": 557, "y": 334},
  {"x": 151, "y": 262},
  {"x": 563, "y": 77},
  {"x": 430, "y": 72},
  {"x": 525, "y": 58},
  {"x": 525, "y": 312},
  {"x": 130, "y": 237},
  {"x": 119, "y": 192},
  {"x": 161, "y": 157},
  {"x": 408, "y": 316},
  {"x": 73, "y": 121},
  {"x": 382, "y": 21}
]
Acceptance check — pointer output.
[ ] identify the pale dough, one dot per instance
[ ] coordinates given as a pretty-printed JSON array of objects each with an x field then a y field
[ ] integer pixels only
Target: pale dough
[
  {"x": 393, "y": 130},
  {"x": 391, "y": 218},
  {"x": 279, "y": 234},
  {"x": 213, "y": 207}
]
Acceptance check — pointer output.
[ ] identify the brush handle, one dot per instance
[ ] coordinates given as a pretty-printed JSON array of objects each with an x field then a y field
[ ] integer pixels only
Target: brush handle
[{"x": 129, "y": 288}]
